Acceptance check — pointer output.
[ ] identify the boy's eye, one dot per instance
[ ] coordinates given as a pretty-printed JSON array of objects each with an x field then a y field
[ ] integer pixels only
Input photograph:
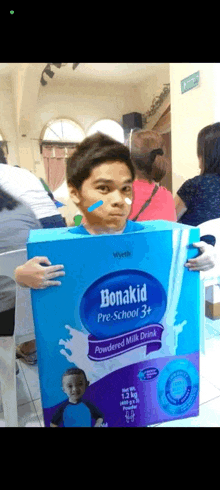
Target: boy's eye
[{"x": 103, "y": 187}]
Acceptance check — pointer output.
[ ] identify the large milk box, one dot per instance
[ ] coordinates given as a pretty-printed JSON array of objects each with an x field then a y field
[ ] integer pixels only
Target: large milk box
[{"x": 118, "y": 340}]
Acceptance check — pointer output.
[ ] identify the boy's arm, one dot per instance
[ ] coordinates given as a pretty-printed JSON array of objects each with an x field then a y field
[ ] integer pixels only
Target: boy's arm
[{"x": 95, "y": 413}]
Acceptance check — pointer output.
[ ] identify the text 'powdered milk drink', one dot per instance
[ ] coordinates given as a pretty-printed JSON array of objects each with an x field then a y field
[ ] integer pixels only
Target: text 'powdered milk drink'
[{"x": 118, "y": 341}]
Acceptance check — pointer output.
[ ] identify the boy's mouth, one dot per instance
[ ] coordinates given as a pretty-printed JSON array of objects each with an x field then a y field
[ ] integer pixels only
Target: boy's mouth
[
  {"x": 75, "y": 397},
  {"x": 117, "y": 214}
]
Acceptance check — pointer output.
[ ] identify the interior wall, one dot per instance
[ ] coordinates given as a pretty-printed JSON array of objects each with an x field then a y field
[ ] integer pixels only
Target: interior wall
[
  {"x": 85, "y": 103},
  {"x": 190, "y": 112},
  {"x": 8, "y": 118},
  {"x": 153, "y": 86}
]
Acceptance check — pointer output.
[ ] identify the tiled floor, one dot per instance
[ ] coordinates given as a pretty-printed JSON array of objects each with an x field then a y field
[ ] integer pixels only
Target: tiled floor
[
  {"x": 29, "y": 401},
  {"x": 28, "y": 397}
]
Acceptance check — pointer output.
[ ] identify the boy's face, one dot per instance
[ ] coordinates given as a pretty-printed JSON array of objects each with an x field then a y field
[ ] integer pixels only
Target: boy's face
[
  {"x": 74, "y": 385},
  {"x": 110, "y": 182}
]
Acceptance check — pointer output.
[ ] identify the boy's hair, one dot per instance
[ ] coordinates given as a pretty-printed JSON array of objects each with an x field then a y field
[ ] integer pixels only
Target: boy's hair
[
  {"x": 208, "y": 147},
  {"x": 142, "y": 142},
  {"x": 93, "y": 151},
  {"x": 70, "y": 371}
]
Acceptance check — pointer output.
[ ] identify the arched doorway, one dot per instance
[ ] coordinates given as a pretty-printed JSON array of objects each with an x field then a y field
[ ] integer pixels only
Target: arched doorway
[
  {"x": 109, "y": 127},
  {"x": 58, "y": 141}
]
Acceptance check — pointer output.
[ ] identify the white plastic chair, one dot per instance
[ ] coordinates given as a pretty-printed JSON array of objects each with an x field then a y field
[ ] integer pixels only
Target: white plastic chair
[
  {"x": 211, "y": 277},
  {"x": 24, "y": 331}
]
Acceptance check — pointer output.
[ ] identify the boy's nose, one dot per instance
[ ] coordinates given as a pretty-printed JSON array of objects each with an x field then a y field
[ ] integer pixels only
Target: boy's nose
[{"x": 117, "y": 198}]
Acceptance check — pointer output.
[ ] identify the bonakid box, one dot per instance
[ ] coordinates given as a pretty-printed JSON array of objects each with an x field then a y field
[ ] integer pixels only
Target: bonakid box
[{"x": 118, "y": 341}]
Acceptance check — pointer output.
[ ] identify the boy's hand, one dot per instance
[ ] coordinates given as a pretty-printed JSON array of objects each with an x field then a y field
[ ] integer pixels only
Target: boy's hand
[
  {"x": 206, "y": 261},
  {"x": 98, "y": 422},
  {"x": 35, "y": 276}
]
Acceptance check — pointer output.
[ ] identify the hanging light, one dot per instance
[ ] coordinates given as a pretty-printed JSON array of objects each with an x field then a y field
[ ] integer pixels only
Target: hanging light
[
  {"x": 58, "y": 65},
  {"x": 75, "y": 65},
  {"x": 49, "y": 72},
  {"x": 42, "y": 81}
]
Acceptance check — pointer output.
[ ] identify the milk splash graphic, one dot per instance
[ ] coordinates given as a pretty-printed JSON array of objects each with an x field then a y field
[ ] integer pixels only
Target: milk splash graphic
[{"x": 77, "y": 344}]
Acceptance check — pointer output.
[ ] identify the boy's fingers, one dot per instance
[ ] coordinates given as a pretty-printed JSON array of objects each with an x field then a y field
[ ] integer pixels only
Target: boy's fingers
[
  {"x": 53, "y": 283},
  {"x": 38, "y": 260},
  {"x": 201, "y": 245},
  {"x": 53, "y": 268},
  {"x": 55, "y": 274},
  {"x": 45, "y": 260},
  {"x": 47, "y": 284}
]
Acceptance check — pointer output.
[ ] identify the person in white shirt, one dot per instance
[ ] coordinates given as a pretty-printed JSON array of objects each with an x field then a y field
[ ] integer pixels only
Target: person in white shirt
[{"x": 27, "y": 188}]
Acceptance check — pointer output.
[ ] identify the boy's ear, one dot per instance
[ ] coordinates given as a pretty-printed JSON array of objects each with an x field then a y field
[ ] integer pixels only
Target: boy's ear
[{"x": 73, "y": 192}]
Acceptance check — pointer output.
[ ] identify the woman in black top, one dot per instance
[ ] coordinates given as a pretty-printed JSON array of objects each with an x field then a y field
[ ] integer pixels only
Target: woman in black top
[{"x": 201, "y": 195}]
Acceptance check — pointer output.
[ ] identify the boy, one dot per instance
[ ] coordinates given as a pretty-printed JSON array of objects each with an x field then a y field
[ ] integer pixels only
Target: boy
[
  {"x": 76, "y": 412},
  {"x": 100, "y": 169}
]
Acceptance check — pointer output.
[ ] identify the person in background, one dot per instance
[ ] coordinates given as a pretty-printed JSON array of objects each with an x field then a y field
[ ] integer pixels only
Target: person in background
[
  {"x": 201, "y": 194},
  {"x": 16, "y": 221},
  {"x": 148, "y": 152},
  {"x": 198, "y": 199},
  {"x": 2, "y": 156},
  {"x": 26, "y": 187}
]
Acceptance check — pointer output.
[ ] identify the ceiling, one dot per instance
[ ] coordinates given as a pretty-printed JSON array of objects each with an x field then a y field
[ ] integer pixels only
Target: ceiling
[
  {"x": 24, "y": 80},
  {"x": 111, "y": 72}
]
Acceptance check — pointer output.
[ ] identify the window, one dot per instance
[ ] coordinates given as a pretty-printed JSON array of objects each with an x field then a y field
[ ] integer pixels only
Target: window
[
  {"x": 58, "y": 142},
  {"x": 64, "y": 130},
  {"x": 109, "y": 127}
]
